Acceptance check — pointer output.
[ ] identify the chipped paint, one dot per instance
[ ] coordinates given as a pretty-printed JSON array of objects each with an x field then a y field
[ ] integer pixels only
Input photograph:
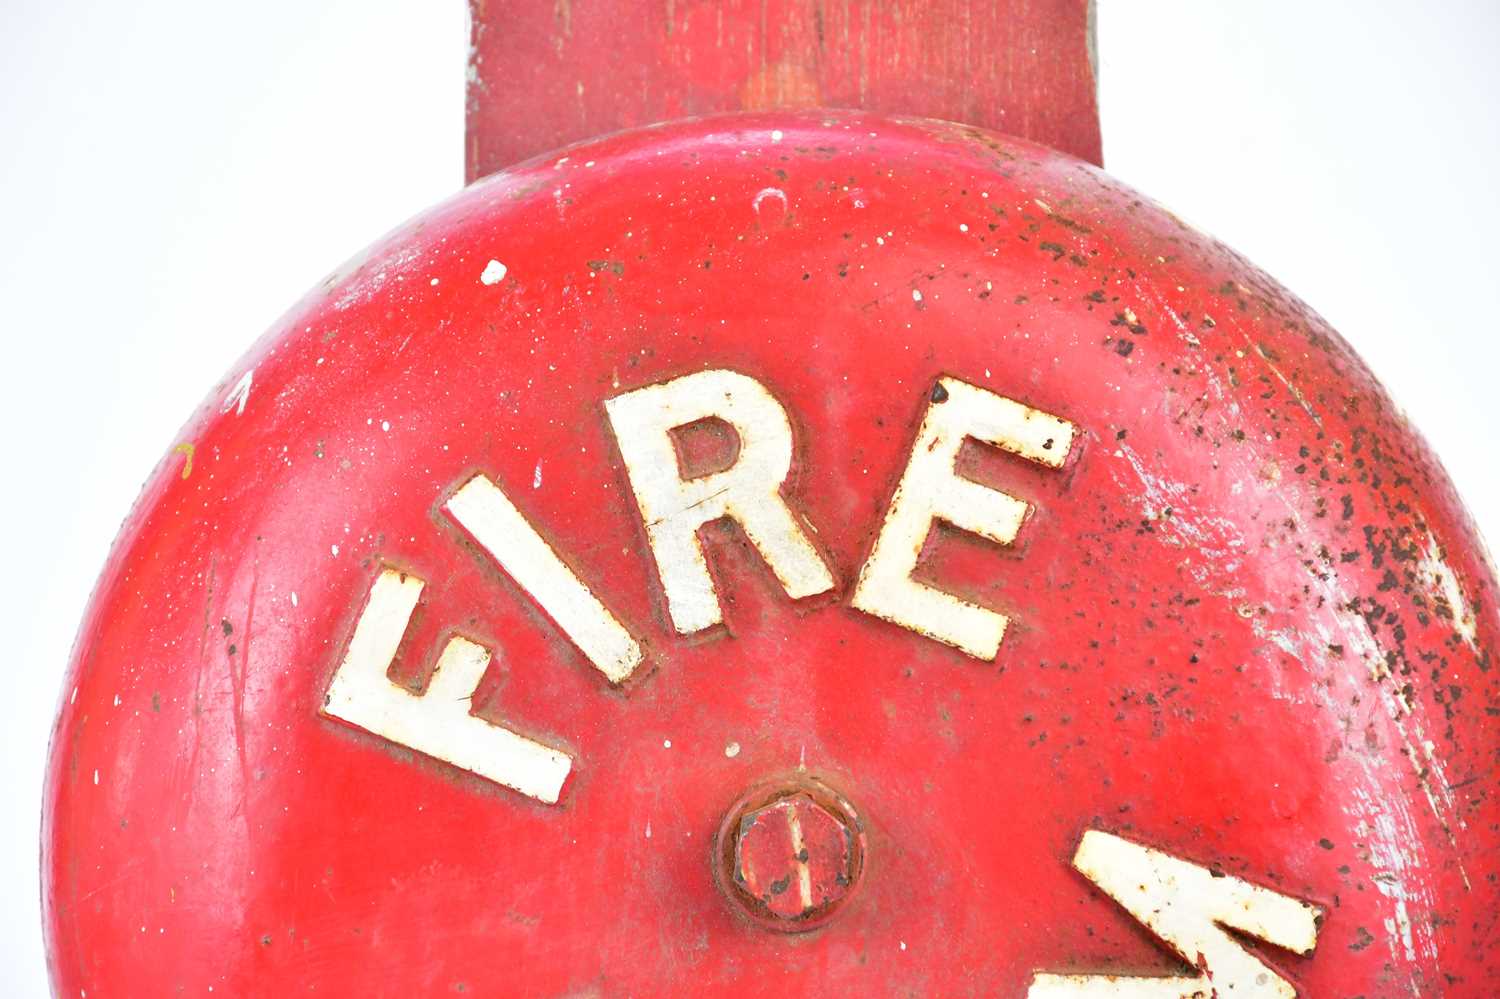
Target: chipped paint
[
  {"x": 493, "y": 273},
  {"x": 1448, "y": 595}
]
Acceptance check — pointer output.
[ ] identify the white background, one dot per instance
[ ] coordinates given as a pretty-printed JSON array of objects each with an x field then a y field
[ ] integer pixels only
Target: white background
[{"x": 174, "y": 173}]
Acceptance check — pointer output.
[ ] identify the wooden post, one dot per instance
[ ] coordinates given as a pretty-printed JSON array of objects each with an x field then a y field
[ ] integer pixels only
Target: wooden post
[{"x": 545, "y": 74}]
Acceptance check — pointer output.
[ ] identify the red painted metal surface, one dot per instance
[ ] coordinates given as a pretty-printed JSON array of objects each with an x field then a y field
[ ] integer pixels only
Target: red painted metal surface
[
  {"x": 545, "y": 75},
  {"x": 1250, "y": 624}
]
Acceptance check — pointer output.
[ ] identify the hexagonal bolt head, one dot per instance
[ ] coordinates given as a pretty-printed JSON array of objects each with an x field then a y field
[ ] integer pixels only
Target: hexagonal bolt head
[{"x": 792, "y": 853}]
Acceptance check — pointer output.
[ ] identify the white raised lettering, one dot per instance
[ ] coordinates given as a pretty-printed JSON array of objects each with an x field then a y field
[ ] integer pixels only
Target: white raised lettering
[
  {"x": 748, "y": 491},
  {"x": 930, "y": 489},
  {"x": 1185, "y": 905},
  {"x": 495, "y": 523},
  {"x": 437, "y": 723}
]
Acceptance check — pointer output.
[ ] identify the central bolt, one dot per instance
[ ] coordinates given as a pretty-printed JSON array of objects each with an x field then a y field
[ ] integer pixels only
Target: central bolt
[{"x": 790, "y": 853}]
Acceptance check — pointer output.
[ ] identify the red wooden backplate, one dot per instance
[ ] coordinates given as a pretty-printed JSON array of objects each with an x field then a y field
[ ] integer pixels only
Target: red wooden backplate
[{"x": 543, "y": 75}]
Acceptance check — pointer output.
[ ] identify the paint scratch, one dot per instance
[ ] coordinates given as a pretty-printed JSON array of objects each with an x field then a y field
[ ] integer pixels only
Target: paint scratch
[{"x": 239, "y": 395}]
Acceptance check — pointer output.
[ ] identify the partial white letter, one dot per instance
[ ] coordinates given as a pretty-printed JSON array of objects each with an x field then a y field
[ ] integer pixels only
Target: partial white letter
[
  {"x": 437, "y": 723},
  {"x": 930, "y": 489},
  {"x": 1184, "y": 905},
  {"x": 749, "y": 491},
  {"x": 493, "y": 521}
]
